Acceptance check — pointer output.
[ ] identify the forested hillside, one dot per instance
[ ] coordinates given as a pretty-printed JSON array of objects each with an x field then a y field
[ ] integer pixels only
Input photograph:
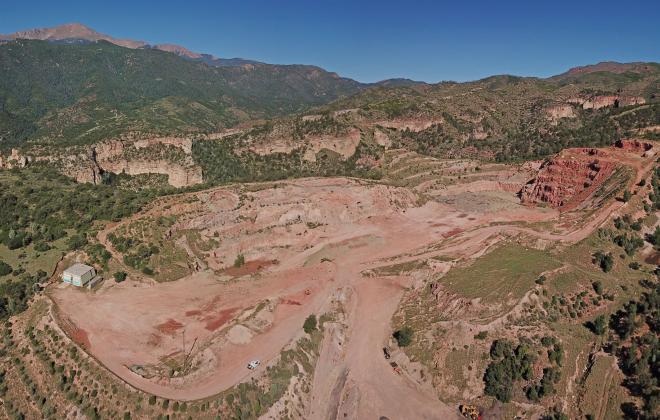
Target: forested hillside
[{"x": 78, "y": 94}]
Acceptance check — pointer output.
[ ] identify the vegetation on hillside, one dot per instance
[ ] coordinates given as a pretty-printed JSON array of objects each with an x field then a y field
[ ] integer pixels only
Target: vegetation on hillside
[
  {"x": 79, "y": 94},
  {"x": 222, "y": 162},
  {"x": 39, "y": 210},
  {"x": 39, "y": 205}
]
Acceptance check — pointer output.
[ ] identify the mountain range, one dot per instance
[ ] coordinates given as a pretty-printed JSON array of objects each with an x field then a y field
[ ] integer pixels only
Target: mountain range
[
  {"x": 73, "y": 86},
  {"x": 75, "y": 33}
]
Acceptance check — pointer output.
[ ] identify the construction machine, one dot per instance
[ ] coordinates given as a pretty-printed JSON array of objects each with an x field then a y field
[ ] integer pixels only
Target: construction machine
[{"x": 469, "y": 411}]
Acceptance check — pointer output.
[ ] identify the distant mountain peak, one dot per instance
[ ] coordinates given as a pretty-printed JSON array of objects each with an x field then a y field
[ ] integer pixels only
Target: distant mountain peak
[
  {"x": 77, "y": 32},
  {"x": 608, "y": 66},
  {"x": 70, "y": 32}
]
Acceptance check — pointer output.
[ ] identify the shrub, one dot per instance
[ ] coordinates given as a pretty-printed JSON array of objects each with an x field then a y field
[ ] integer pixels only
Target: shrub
[
  {"x": 481, "y": 335},
  {"x": 403, "y": 336},
  {"x": 310, "y": 324},
  {"x": 626, "y": 196},
  {"x": 148, "y": 271},
  {"x": 120, "y": 276},
  {"x": 76, "y": 241},
  {"x": 239, "y": 261},
  {"x": 598, "y": 287},
  {"x": 41, "y": 247},
  {"x": 598, "y": 326},
  {"x": 5, "y": 268}
]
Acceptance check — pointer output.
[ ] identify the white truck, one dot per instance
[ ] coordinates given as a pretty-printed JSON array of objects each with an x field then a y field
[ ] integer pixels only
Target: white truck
[{"x": 253, "y": 364}]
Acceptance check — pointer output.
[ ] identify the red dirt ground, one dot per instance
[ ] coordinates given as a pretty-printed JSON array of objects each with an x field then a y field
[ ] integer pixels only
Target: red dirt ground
[
  {"x": 77, "y": 334},
  {"x": 169, "y": 327},
  {"x": 214, "y": 322},
  {"x": 452, "y": 232},
  {"x": 249, "y": 267}
]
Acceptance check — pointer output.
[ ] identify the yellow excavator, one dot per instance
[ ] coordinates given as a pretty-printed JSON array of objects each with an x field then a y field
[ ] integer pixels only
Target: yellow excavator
[{"x": 469, "y": 411}]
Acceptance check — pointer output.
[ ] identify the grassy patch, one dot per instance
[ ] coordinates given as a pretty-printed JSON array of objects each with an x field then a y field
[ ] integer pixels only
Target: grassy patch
[
  {"x": 506, "y": 272},
  {"x": 31, "y": 260},
  {"x": 459, "y": 359},
  {"x": 602, "y": 393}
]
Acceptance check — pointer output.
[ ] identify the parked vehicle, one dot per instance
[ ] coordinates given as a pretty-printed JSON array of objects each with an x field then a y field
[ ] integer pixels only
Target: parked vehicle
[
  {"x": 253, "y": 364},
  {"x": 386, "y": 353}
]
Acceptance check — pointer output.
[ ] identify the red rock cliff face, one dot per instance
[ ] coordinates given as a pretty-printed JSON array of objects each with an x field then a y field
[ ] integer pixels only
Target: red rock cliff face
[{"x": 563, "y": 182}]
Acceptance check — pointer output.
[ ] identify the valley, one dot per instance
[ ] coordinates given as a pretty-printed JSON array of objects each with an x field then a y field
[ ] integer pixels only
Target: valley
[{"x": 269, "y": 241}]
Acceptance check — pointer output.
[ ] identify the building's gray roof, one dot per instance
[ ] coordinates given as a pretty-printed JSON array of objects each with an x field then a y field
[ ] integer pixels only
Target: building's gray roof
[{"x": 78, "y": 269}]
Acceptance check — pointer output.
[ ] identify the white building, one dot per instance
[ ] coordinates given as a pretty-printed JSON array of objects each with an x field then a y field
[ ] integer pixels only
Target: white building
[{"x": 78, "y": 274}]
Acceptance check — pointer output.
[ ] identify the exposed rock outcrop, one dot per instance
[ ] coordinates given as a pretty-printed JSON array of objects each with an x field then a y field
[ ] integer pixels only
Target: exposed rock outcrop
[
  {"x": 559, "y": 111},
  {"x": 603, "y": 101},
  {"x": 344, "y": 144},
  {"x": 14, "y": 160},
  {"x": 169, "y": 156},
  {"x": 148, "y": 157},
  {"x": 181, "y": 143},
  {"x": 412, "y": 124},
  {"x": 566, "y": 179}
]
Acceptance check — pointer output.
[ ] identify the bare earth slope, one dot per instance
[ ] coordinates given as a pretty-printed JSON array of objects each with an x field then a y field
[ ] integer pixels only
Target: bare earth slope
[{"x": 311, "y": 246}]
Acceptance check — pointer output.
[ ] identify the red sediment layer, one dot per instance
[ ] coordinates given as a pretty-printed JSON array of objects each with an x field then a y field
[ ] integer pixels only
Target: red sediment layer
[{"x": 564, "y": 182}]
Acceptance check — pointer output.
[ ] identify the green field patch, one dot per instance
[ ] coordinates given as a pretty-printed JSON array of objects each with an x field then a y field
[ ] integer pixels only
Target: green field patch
[
  {"x": 603, "y": 394},
  {"x": 31, "y": 260},
  {"x": 506, "y": 272}
]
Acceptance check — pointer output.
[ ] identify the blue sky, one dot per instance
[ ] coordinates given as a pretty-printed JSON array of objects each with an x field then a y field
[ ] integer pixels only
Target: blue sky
[{"x": 375, "y": 40}]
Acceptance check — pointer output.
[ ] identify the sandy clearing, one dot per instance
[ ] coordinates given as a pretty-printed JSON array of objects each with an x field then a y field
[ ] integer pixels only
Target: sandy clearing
[{"x": 119, "y": 341}]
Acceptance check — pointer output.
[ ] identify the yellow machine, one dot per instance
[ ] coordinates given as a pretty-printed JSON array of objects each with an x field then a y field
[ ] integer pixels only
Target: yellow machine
[{"x": 470, "y": 411}]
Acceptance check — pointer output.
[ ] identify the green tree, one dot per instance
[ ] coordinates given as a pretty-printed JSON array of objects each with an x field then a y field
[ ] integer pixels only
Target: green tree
[
  {"x": 598, "y": 287},
  {"x": 310, "y": 324},
  {"x": 626, "y": 196},
  {"x": 5, "y": 268},
  {"x": 403, "y": 336},
  {"x": 599, "y": 325},
  {"x": 604, "y": 261},
  {"x": 239, "y": 261},
  {"x": 120, "y": 276}
]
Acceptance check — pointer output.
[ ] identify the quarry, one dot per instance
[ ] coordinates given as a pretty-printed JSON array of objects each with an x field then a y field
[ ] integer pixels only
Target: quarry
[{"x": 355, "y": 250}]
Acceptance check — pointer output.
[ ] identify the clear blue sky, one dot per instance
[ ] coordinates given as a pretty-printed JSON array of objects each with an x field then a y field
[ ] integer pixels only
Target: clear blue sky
[{"x": 374, "y": 40}]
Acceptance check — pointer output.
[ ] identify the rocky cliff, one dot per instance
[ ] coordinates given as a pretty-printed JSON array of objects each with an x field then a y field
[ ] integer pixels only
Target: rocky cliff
[
  {"x": 603, "y": 101},
  {"x": 564, "y": 179},
  {"x": 169, "y": 156},
  {"x": 14, "y": 160}
]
